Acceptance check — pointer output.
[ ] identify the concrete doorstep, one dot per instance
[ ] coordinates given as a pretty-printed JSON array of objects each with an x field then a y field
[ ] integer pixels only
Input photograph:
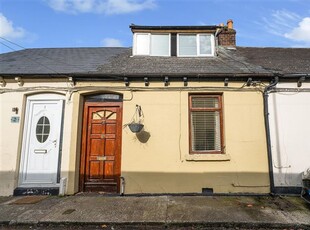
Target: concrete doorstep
[{"x": 207, "y": 211}]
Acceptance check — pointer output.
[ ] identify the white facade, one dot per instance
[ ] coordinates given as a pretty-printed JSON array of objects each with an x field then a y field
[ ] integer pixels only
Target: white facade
[
  {"x": 289, "y": 119},
  {"x": 14, "y": 146}
]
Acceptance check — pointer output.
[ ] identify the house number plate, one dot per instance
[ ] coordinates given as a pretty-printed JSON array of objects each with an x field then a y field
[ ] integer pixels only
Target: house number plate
[{"x": 14, "y": 119}]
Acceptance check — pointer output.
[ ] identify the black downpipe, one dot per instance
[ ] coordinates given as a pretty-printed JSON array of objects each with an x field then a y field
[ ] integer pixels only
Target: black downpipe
[{"x": 268, "y": 139}]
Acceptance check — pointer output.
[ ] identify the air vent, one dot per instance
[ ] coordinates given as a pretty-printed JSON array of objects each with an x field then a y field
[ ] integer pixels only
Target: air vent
[{"x": 207, "y": 191}]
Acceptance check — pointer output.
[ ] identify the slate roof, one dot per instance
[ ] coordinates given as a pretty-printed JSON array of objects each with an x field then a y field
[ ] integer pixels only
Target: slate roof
[
  {"x": 226, "y": 62},
  {"x": 56, "y": 60},
  {"x": 108, "y": 61},
  {"x": 282, "y": 60}
]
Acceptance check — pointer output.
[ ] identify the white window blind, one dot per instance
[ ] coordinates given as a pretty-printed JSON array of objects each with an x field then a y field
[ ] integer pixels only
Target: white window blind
[
  {"x": 152, "y": 44},
  {"x": 142, "y": 44},
  {"x": 205, "y": 46},
  {"x": 187, "y": 45},
  {"x": 160, "y": 44},
  {"x": 205, "y": 124},
  {"x": 195, "y": 45}
]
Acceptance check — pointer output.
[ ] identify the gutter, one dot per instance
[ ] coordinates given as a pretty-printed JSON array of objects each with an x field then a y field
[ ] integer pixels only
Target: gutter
[
  {"x": 296, "y": 75},
  {"x": 107, "y": 76},
  {"x": 267, "y": 127}
]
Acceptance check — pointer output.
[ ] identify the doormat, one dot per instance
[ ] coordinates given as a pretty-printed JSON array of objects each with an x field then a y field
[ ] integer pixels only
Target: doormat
[{"x": 29, "y": 200}]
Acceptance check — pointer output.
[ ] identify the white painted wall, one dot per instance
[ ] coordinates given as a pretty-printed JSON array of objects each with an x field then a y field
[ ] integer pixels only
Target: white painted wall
[
  {"x": 289, "y": 114},
  {"x": 9, "y": 139},
  {"x": 11, "y": 133}
]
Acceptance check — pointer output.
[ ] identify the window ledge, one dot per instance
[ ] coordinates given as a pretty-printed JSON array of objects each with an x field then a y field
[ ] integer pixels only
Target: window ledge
[{"x": 207, "y": 157}]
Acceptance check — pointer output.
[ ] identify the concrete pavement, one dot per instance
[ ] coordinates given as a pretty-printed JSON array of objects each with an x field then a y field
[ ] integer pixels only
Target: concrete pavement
[{"x": 260, "y": 211}]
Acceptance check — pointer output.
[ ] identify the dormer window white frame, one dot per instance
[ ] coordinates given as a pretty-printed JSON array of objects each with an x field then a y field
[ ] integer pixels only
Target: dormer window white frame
[
  {"x": 193, "y": 45},
  {"x": 149, "y": 44}
]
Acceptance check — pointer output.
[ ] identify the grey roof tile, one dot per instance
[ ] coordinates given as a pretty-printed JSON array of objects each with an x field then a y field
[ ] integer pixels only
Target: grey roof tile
[
  {"x": 56, "y": 60},
  {"x": 226, "y": 62},
  {"x": 282, "y": 60},
  {"x": 118, "y": 61}
]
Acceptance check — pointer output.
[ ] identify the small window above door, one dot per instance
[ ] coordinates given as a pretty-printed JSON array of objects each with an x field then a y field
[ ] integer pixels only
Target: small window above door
[{"x": 104, "y": 97}]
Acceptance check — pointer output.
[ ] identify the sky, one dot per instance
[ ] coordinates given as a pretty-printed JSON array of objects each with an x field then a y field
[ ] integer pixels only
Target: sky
[{"x": 105, "y": 23}]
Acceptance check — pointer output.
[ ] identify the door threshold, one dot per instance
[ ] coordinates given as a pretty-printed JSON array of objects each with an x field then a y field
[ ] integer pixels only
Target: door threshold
[
  {"x": 28, "y": 191},
  {"x": 97, "y": 194}
]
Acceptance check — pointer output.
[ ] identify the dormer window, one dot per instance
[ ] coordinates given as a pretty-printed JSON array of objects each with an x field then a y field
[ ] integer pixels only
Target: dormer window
[
  {"x": 190, "y": 45},
  {"x": 179, "y": 41},
  {"x": 151, "y": 44},
  {"x": 174, "y": 44}
]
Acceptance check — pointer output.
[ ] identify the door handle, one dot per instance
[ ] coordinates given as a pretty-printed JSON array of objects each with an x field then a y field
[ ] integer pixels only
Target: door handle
[{"x": 55, "y": 142}]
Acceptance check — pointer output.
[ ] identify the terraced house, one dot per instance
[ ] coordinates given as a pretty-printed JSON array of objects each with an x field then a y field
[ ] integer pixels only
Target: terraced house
[{"x": 182, "y": 111}]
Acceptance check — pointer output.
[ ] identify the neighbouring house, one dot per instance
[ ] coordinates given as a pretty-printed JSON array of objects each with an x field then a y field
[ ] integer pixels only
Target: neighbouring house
[
  {"x": 288, "y": 106},
  {"x": 67, "y": 114}
]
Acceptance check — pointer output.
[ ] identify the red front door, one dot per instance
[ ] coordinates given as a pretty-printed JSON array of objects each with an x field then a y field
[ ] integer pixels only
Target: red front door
[{"x": 101, "y": 147}]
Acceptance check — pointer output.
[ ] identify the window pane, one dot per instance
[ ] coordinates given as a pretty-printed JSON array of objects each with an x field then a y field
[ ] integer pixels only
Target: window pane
[
  {"x": 205, "y": 44},
  {"x": 187, "y": 45},
  {"x": 205, "y": 102},
  {"x": 43, "y": 129},
  {"x": 206, "y": 134},
  {"x": 160, "y": 44},
  {"x": 142, "y": 44},
  {"x": 39, "y": 129},
  {"x": 46, "y": 129}
]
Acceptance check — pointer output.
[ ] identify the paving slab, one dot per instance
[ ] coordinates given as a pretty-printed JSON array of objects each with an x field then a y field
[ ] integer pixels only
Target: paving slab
[
  {"x": 261, "y": 210},
  {"x": 109, "y": 210},
  {"x": 158, "y": 210},
  {"x": 15, "y": 212}
]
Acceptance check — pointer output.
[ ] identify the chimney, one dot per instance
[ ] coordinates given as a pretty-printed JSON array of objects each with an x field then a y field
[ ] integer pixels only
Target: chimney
[
  {"x": 227, "y": 36},
  {"x": 230, "y": 24}
]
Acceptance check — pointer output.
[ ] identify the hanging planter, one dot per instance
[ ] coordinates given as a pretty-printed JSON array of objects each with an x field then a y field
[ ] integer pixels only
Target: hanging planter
[{"x": 135, "y": 125}]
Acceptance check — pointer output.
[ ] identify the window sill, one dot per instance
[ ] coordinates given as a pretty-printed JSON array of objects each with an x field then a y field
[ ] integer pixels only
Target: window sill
[{"x": 207, "y": 157}]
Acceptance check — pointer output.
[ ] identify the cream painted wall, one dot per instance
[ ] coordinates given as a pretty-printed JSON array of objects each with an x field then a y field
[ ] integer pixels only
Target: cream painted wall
[
  {"x": 162, "y": 164},
  {"x": 9, "y": 141}
]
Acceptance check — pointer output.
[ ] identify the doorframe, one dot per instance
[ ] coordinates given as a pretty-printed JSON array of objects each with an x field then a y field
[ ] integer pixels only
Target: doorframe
[
  {"x": 44, "y": 96},
  {"x": 84, "y": 137}
]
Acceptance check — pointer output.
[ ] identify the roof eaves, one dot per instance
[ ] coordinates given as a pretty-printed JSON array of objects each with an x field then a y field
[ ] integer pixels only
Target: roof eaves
[
  {"x": 96, "y": 74},
  {"x": 141, "y": 27}
]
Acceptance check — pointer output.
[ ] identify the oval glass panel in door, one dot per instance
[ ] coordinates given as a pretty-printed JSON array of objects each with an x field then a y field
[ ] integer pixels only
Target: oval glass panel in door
[{"x": 43, "y": 129}]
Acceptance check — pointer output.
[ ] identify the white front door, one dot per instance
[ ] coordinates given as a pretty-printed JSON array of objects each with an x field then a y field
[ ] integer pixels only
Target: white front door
[{"x": 41, "y": 141}]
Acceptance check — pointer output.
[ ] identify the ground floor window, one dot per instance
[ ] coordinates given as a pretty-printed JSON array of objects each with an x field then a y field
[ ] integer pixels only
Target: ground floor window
[{"x": 206, "y": 123}]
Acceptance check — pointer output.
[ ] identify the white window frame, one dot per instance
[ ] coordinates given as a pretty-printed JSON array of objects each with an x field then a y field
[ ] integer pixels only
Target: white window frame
[
  {"x": 198, "y": 45},
  {"x": 149, "y": 44}
]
